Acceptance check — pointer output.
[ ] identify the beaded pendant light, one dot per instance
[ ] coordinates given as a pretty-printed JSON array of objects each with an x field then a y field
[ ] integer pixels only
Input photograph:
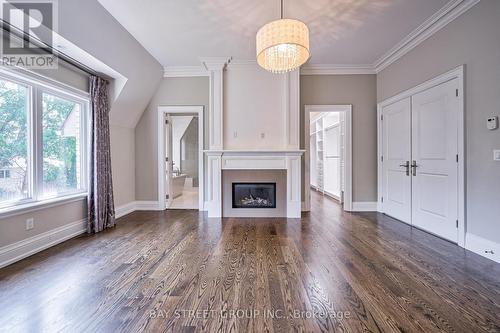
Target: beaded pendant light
[{"x": 282, "y": 45}]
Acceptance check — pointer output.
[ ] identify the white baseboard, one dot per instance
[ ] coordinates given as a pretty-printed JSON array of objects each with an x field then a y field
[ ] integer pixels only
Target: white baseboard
[
  {"x": 483, "y": 247},
  {"x": 364, "y": 206},
  {"x": 147, "y": 205},
  {"x": 125, "y": 209},
  {"x": 27, "y": 247},
  {"x": 136, "y": 206}
]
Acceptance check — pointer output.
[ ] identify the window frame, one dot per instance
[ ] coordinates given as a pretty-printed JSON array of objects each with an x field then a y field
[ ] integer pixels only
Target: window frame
[{"x": 37, "y": 85}]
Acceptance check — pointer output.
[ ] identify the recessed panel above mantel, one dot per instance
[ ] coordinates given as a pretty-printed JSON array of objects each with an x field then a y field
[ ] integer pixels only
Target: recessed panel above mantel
[{"x": 254, "y": 108}]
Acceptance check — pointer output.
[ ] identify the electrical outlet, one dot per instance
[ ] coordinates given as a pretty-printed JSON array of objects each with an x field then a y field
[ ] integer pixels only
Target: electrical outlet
[
  {"x": 235, "y": 134},
  {"x": 30, "y": 224},
  {"x": 496, "y": 155},
  {"x": 262, "y": 135}
]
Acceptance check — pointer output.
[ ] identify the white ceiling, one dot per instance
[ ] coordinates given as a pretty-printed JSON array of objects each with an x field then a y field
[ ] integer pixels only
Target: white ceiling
[{"x": 343, "y": 32}]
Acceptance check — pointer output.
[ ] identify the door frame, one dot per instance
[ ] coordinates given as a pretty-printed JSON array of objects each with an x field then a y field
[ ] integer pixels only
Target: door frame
[
  {"x": 179, "y": 110},
  {"x": 456, "y": 73},
  {"x": 347, "y": 109}
]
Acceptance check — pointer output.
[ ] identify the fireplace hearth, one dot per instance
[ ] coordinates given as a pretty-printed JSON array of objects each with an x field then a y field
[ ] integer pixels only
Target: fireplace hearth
[{"x": 254, "y": 195}]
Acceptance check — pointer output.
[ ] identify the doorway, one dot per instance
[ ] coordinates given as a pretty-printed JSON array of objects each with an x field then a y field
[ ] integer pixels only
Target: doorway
[
  {"x": 328, "y": 156},
  {"x": 180, "y": 147},
  {"x": 421, "y": 177}
]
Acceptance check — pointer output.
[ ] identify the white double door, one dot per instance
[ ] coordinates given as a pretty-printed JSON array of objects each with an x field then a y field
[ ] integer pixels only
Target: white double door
[{"x": 420, "y": 160}]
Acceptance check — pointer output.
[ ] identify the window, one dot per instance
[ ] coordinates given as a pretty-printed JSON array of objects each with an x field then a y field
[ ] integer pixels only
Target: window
[
  {"x": 61, "y": 145},
  {"x": 4, "y": 173},
  {"x": 14, "y": 115},
  {"x": 43, "y": 150}
]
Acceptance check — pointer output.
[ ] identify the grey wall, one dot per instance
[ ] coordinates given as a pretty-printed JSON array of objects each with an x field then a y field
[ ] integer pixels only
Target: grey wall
[
  {"x": 109, "y": 42},
  {"x": 171, "y": 91},
  {"x": 88, "y": 25},
  {"x": 472, "y": 39},
  {"x": 360, "y": 91}
]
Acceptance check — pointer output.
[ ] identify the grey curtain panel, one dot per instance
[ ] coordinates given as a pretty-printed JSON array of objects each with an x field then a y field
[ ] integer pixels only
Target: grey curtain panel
[{"x": 101, "y": 208}]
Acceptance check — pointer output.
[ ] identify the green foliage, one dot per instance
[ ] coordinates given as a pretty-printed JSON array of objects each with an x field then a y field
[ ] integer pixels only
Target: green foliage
[
  {"x": 56, "y": 147},
  {"x": 13, "y": 119},
  {"x": 59, "y": 152}
]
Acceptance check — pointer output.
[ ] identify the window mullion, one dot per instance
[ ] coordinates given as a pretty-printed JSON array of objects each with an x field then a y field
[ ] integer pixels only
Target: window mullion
[
  {"x": 32, "y": 159},
  {"x": 38, "y": 151}
]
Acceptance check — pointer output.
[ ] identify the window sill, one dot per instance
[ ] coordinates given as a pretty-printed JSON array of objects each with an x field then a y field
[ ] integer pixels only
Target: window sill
[{"x": 39, "y": 205}]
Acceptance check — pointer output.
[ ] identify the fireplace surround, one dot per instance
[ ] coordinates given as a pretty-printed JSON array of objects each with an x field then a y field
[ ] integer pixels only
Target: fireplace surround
[{"x": 287, "y": 162}]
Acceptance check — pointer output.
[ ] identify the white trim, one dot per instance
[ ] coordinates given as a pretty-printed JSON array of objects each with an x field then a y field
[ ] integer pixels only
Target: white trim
[
  {"x": 457, "y": 73},
  {"x": 125, "y": 209},
  {"x": 347, "y": 109},
  {"x": 364, "y": 206},
  {"x": 27, "y": 247},
  {"x": 148, "y": 206},
  {"x": 242, "y": 64},
  {"x": 452, "y": 10},
  {"x": 38, "y": 205},
  {"x": 330, "y": 69},
  {"x": 215, "y": 63},
  {"x": 134, "y": 206},
  {"x": 36, "y": 86},
  {"x": 219, "y": 160},
  {"x": 162, "y": 111},
  {"x": 433, "y": 24},
  {"x": 483, "y": 247},
  {"x": 291, "y": 105},
  {"x": 185, "y": 71}
]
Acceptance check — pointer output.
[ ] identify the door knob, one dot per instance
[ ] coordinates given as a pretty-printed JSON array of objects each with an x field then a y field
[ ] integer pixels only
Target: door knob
[
  {"x": 407, "y": 166},
  {"x": 414, "y": 167}
]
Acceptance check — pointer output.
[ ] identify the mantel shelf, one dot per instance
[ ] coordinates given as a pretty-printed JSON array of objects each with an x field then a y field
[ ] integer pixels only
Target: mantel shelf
[{"x": 254, "y": 152}]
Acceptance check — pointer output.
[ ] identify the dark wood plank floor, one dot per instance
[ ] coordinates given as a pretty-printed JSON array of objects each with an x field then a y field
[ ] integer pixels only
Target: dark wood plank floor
[{"x": 178, "y": 271}]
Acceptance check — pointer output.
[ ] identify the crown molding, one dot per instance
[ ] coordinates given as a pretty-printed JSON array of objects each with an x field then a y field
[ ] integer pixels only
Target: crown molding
[
  {"x": 185, "y": 71},
  {"x": 452, "y": 10},
  {"x": 242, "y": 63},
  {"x": 323, "y": 69},
  {"x": 215, "y": 63}
]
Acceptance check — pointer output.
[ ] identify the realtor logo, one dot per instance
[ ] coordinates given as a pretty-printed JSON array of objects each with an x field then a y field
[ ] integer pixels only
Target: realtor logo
[{"x": 28, "y": 34}]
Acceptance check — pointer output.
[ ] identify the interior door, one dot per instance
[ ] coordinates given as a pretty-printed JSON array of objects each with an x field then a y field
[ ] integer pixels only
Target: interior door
[
  {"x": 168, "y": 160},
  {"x": 332, "y": 161},
  {"x": 396, "y": 160},
  {"x": 434, "y": 161}
]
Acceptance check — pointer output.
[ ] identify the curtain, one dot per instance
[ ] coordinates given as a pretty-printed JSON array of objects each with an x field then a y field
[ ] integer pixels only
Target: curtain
[{"x": 101, "y": 210}]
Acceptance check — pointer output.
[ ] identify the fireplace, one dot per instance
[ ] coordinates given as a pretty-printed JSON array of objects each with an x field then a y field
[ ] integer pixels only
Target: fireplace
[{"x": 254, "y": 195}]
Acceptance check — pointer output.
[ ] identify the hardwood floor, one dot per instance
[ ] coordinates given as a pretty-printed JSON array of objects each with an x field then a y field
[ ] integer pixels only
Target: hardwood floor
[{"x": 328, "y": 272}]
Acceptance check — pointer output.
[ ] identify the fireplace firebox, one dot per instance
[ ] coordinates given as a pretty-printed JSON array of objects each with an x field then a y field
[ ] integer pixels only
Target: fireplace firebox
[{"x": 254, "y": 195}]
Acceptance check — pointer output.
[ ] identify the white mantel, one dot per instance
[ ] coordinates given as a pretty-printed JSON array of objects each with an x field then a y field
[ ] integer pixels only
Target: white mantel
[
  {"x": 289, "y": 160},
  {"x": 271, "y": 145}
]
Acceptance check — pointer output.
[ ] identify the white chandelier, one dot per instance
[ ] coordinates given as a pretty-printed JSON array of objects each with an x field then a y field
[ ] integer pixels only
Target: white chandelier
[{"x": 282, "y": 45}]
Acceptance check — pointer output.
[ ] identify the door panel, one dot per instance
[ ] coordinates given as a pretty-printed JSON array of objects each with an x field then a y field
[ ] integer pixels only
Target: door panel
[
  {"x": 396, "y": 152},
  {"x": 434, "y": 149}
]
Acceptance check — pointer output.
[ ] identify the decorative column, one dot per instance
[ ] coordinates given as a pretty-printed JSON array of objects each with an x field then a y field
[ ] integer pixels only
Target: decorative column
[
  {"x": 214, "y": 170},
  {"x": 293, "y": 185},
  {"x": 216, "y": 68},
  {"x": 291, "y": 103}
]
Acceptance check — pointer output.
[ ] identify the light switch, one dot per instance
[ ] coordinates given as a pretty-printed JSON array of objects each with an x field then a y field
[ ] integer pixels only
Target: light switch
[
  {"x": 492, "y": 123},
  {"x": 496, "y": 155}
]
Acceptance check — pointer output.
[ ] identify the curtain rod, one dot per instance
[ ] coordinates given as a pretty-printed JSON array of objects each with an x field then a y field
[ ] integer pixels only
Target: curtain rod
[{"x": 59, "y": 54}]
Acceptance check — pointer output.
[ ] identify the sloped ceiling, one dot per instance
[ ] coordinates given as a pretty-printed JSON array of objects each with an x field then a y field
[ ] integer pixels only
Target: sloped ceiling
[
  {"x": 342, "y": 31},
  {"x": 88, "y": 25}
]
